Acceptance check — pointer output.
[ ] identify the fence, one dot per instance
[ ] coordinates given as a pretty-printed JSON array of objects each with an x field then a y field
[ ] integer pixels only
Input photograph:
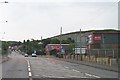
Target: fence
[
  {"x": 99, "y": 56},
  {"x": 104, "y": 53}
]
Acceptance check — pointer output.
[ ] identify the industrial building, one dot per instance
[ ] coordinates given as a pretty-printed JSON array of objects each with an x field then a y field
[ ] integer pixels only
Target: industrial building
[
  {"x": 93, "y": 39},
  {"x": 56, "y": 47}
]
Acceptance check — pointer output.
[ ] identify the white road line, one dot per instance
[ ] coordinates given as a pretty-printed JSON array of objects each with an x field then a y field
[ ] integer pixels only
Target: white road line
[
  {"x": 76, "y": 70},
  {"x": 29, "y": 69},
  {"x": 28, "y": 63},
  {"x": 30, "y": 74},
  {"x": 92, "y": 75},
  {"x": 88, "y": 74},
  {"x": 96, "y": 76},
  {"x": 28, "y": 66}
]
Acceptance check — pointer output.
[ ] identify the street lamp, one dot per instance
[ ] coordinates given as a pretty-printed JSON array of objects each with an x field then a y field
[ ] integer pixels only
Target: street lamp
[
  {"x": 4, "y": 2},
  {"x": 3, "y": 21},
  {"x": 41, "y": 42},
  {"x": 2, "y": 37}
]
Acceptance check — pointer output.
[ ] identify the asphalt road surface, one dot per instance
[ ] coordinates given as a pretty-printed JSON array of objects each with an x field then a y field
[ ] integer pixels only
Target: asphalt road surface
[
  {"x": 16, "y": 67},
  {"x": 33, "y": 68}
]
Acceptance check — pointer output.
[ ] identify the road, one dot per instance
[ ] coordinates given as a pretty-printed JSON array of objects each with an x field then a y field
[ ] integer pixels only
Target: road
[
  {"x": 16, "y": 67},
  {"x": 31, "y": 68}
]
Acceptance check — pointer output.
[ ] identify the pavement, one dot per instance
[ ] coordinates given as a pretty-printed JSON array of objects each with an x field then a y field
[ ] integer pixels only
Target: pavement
[
  {"x": 114, "y": 68},
  {"x": 42, "y": 61}
]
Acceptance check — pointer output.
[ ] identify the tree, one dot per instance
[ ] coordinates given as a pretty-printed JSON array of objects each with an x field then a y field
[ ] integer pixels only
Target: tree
[
  {"x": 23, "y": 41},
  {"x": 68, "y": 41},
  {"x": 71, "y": 48},
  {"x": 46, "y": 41},
  {"x": 55, "y": 41},
  {"x": 5, "y": 46}
]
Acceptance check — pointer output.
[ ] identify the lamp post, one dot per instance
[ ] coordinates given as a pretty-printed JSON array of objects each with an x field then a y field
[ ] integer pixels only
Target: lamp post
[
  {"x": 1, "y": 47},
  {"x": 2, "y": 37},
  {"x": 4, "y": 2},
  {"x": 3, "y": 21},
  {"x": 40, "y": 43},
  {"x": 75, "y": 38}
]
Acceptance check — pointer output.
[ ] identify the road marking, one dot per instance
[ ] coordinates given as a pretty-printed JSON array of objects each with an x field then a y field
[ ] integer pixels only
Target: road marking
[
  {"x": 30, "y": 74},
  {"x": 28, "y": 63},
  {"x": 88, "y": 74},
  {"x": 28, "y": 66},
  {"x": 76, "y": 70},
  {"x": 29, "y": 69},
  {"x": 96, "y": 76},
  {"x": 92, "y": 75}
]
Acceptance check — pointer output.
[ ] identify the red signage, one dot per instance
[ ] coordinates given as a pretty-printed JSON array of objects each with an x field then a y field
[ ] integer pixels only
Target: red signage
[
  {"x": 97, "y": 38},
  {"x": 57, "y": 47}
]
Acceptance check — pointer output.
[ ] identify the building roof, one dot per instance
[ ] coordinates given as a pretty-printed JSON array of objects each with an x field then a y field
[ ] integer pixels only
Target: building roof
[
  {"x": 91, "y": 31},
  {"x": 57, "y": 44}
]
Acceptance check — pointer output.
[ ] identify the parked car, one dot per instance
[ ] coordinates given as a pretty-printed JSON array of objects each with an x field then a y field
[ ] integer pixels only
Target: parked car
[
  {"x": 26, "y": 55},
  {"x": 34, "y": 55}
]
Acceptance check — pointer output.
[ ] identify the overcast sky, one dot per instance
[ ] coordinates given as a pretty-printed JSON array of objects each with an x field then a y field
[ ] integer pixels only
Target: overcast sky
[{"x": 35, "y": 18}]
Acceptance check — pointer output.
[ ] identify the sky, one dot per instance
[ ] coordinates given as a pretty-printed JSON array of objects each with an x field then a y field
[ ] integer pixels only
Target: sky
[{"x": 31, "y": 19}]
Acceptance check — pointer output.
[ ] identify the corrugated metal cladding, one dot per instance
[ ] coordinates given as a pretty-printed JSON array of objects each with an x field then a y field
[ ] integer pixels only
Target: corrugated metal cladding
[
  {"x": 105, "y": 40},
  {"x": 95, "y": 38}
]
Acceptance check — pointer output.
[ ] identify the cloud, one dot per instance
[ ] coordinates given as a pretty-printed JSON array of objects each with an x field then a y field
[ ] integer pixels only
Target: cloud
[{"x": 29, "y": 19}]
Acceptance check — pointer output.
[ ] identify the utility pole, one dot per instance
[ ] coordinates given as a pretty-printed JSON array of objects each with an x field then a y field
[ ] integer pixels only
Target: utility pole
[
  {"x": 41, "y": 43},
  {"x": 80, "y": 45},
  {"x": 60, "y": 40},
  {"x": 3, "y": 3},
  {"x": 75, "y": 43}
]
